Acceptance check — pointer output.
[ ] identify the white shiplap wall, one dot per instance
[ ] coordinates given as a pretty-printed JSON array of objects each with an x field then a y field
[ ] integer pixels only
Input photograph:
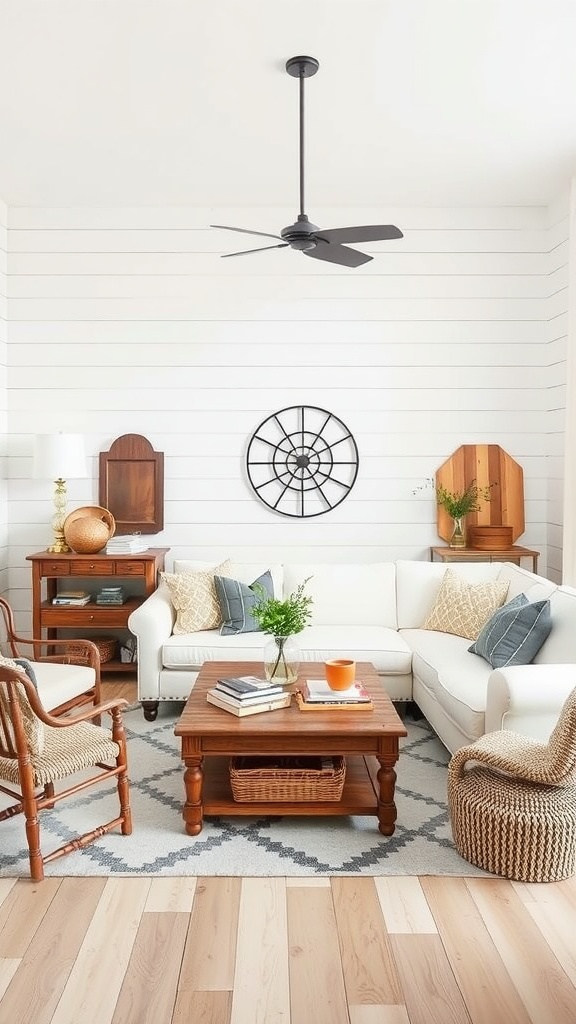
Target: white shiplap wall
[
  {"x": 3, "y": 397},
  {"x": 128, "y": 322},
  {"x": 555, "y": 337}
]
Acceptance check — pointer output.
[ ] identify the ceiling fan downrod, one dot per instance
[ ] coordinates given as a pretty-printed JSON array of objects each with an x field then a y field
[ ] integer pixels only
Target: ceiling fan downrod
[{"x": 299, "y": 234}]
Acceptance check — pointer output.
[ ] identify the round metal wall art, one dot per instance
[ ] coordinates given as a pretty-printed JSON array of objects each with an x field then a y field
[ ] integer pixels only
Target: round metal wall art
[{"x": 302, "y": 461}]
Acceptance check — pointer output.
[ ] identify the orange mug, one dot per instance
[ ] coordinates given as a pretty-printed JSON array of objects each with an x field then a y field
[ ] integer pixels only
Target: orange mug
[{"x": 340, "y": 673}]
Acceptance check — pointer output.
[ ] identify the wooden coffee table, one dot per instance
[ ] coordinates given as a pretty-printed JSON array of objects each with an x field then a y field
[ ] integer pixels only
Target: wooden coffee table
[{"x": 367, "y": 739}]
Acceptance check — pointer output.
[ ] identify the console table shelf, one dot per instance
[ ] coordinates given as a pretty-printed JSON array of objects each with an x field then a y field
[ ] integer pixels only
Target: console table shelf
[
  {"x": 512, "y": 554},
  {"x": 90, "y": 618}
]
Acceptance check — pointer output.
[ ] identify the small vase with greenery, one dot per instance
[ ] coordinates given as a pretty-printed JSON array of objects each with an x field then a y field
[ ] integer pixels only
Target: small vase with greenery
[
  {"x": 459, "y": 504},
  {"x": 281, "y": 620}
]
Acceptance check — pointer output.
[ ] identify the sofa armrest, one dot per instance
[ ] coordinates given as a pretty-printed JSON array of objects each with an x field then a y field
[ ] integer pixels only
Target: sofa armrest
[
  {"x": 528, "y": 698},
  {"x": 151, "y": 623}
]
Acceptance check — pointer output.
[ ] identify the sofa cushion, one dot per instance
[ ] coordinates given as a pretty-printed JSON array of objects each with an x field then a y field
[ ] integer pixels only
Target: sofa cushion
[
  {"x": 193, "y": 595},
  {"x": 515, "y": 633},
  {"x": 418, "y": 583},
  {"x": 384, "y": 647},
  {"x": 347, "y": 594},
  {"x": 560, "y": 646},
  {"x": 462, "y": 608},
  {"x": 237, "y": 600},
  {"x": 246, "y": 572}
]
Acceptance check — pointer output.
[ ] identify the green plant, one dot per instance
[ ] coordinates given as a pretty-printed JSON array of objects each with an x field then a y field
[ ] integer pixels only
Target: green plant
[
  {"x": 282, "y": 618},
  {"x": 460, "y": 503}
]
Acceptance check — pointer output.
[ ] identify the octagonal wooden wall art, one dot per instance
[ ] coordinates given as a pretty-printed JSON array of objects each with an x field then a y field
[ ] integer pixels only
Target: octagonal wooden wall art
[{"x": 486, "y": 464}]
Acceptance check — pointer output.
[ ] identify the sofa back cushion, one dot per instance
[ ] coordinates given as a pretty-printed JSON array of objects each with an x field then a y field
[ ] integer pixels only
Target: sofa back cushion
[
  {"x": 418, "y": 584},
  {"x": 347, "y": 594},
  {"x": 246, "y": 572},
  {"x": 560, "y": 646},
  {"x": 522, "y": 581}
]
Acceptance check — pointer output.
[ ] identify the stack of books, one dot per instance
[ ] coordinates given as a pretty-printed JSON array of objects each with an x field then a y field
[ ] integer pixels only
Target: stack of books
[
  {"x": 130, "y": 544},
  {"x": 315, "y": 694},
  {"x": 76, "y": 598},
  {"x": 247, "y": 695},
  {"x": 111, "y": 595}
]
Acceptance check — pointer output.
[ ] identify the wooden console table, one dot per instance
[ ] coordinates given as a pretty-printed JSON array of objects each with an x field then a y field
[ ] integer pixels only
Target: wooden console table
[
  {"x": 512, "y": 554},
  {"x": 61, "y": 569}
]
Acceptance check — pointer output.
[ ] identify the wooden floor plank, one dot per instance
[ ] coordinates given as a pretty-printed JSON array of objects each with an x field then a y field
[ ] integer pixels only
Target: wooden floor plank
[
  {"x": 170, "y": 895},
  {"x": 49, "y": 959},
  {"x": 542, "y": 985},
  {"x": 317, "y": 991},
  {"x": 482, "y": 977},
  {"x": 261, "y": 984},
  {"x": 303, "y": 882},
  {"x": 404, "y": 906},
  {"x": 6, "y": 886},
  {"x": 368, "y": 964},
  {"x": 22, "y": 912},
  {"x": 210, "y": 951},
  {"x": 202, "y": 1008},
  {"x": 149, "y": 989},
  {"x": 8, "y": 969},
  {"x": 379, "y": 1015},
  {"x": 97, "y": 975},
  {"x": 429, "y": 988}
]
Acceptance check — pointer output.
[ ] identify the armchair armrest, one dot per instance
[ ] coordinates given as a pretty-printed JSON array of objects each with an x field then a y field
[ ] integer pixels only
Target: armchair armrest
[
  {"x": 151, "y": 623},
  {"x": 528, "y": 698}
]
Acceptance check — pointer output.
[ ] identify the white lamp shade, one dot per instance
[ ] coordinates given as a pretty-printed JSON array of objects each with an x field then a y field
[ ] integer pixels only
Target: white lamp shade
[{"x": 59, "y": 457}]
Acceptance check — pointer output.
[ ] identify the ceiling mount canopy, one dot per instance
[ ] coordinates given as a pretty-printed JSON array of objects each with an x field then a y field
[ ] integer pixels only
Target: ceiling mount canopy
[{"x": 303, "y": 235}]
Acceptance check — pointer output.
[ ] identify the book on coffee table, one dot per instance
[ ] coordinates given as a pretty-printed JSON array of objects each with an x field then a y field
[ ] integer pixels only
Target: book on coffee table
[
  {"x": 317, "y": 690},
  {"x": 253, "y": 707},
  {"x": 247, "y": 686}
]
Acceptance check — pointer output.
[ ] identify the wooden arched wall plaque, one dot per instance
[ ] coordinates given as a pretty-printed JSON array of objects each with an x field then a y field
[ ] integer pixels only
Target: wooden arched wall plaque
[
  {"x": 487, "y": 464},
  {"x": 132, "y": 484}
]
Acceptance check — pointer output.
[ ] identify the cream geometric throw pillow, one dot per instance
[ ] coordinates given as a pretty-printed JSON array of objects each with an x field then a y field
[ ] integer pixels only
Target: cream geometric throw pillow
[
  {"x": 463, "y": 608},
  {"x": 194, "y": 597}
]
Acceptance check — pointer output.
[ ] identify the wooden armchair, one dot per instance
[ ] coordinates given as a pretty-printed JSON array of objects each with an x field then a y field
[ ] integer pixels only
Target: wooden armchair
[
  {"x": 38, "y": 749},
  {"x": 60, "y": 690}
]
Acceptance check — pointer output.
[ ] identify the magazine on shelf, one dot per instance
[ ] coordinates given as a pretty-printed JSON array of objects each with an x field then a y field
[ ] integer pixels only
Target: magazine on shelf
[
  {"x": 76, "y": 602},
  {"x": 317, "y": 690},
  {"x": 240, "y": 710}
]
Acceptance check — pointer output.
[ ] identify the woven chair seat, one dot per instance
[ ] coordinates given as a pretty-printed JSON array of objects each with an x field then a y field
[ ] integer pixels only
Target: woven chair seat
[
  {"x": 66, "y": 751},
  {"x": 523, "y": 831}
]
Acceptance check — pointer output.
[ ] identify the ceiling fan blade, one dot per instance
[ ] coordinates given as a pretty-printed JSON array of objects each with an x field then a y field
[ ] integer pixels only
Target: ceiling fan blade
[
  {"x": 244, "y": 252},
  {"x": 367, "y": 233},
  {"x": 245, "y": 231},
  {"x": 338, "y": 254}
]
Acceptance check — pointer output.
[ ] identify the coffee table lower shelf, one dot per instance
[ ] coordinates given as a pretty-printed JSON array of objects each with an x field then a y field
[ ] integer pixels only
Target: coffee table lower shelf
[{"x": 358, "y": 795}]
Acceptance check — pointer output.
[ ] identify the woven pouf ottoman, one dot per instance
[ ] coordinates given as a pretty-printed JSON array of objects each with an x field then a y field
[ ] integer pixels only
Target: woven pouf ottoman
[{"x": 514, "y": 828}]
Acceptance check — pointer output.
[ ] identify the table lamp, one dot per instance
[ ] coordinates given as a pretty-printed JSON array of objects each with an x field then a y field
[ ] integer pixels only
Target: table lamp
[{"x": 59, "y": 457}]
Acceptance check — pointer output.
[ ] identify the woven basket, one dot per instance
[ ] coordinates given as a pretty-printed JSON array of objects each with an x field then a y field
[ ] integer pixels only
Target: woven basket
[
  {"x": 107, "y": 647},
  {"x": 289, "y": 779}
]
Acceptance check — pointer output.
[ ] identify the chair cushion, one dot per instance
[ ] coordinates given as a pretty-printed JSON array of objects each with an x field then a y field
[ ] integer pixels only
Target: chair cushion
[
  {"x": 194, "y": 597},
  {"x": 236, "y": 601},
  {"x": 66, "y": 751},
  {"x": 515, "y": 633},
  {"x": 463, "y": 608}
]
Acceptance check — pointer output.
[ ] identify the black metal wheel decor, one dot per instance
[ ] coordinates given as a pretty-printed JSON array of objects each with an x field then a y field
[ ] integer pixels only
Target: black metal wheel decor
[{"x": 302, "y": 461}]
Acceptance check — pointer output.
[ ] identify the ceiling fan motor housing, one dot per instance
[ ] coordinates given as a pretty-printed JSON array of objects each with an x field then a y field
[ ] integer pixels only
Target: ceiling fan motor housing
[{"x": 301, "y": 234}]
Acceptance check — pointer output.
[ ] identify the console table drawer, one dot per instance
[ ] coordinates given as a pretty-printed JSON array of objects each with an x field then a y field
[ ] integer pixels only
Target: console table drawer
[
  {"x": 130, "y": 568},
  {"x": 54, "y": 567},
  {"x": 95, "y": 567},
  {"x": 64, "y": 617}
]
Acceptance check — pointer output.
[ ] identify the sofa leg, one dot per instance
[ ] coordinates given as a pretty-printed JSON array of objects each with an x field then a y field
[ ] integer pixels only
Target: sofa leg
[{"x": 150, "y": 709}]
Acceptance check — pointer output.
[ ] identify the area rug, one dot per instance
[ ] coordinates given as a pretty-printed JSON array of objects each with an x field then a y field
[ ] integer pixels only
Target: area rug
[{"x": 262, "y": 846}]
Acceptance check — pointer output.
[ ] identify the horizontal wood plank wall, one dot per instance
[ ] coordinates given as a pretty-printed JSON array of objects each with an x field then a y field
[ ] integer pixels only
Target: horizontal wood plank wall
[
  {"x": 3, "y": 398},
  {"x": 128, "y": 322},
  {"x": 556, "y": 341}
]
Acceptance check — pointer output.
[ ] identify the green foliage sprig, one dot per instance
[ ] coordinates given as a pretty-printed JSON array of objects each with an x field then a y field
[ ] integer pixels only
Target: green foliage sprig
[
  {"x": 282, "y": 618},
  {"x": 460, "y": 503}
]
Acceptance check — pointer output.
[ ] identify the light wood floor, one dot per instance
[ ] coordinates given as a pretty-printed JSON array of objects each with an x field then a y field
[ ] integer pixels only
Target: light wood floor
[{"x": 287, "y": 951}]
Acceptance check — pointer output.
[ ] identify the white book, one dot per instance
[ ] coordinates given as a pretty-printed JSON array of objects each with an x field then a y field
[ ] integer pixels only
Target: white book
[
  {"x": 241, "y": 711},
  {"x": 318, "y": 690}
]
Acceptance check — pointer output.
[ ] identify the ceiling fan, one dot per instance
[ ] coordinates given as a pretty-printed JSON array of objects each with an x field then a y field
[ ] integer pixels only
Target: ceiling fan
[{"x": 303, "y": 235}]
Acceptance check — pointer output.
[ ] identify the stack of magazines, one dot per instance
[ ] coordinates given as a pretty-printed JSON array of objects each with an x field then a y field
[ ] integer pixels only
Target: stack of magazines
[
  {"x": 247, "y": 695},
  {"x": 131, "y": 544},
  {"x": 315, "y": 694}
]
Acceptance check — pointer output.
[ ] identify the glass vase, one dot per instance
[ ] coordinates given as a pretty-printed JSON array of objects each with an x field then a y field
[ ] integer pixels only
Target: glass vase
[
  {"x": 458, "y": 538},
  {"x": 281, "y": 660}
]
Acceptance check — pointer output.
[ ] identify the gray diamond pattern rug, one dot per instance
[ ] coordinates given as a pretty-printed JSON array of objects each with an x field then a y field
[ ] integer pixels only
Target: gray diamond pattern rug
[{"x": 264, "y": 846}]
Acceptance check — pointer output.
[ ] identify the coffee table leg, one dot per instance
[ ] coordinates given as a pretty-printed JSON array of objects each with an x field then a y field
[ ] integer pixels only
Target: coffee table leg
[
  {"x": 192, "y": 810},
  {"x": 386, "y": 807}
]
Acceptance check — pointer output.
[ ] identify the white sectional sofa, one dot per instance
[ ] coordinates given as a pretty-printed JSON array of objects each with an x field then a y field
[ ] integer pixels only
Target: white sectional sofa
[{"x": 376, "y": 612}]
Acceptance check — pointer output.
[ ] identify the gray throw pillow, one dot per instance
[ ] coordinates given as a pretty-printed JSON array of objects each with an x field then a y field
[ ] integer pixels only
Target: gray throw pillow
[
  {"x": 515, "y": 633},
  {"x": 236, "y": 601}
]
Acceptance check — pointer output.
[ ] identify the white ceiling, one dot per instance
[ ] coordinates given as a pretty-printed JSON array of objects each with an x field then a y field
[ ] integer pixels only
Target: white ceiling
[{"x": 170, "y": 103}]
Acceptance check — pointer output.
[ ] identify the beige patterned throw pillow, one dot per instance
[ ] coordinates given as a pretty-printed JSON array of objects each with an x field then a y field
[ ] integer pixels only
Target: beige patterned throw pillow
[
  {"x": 194, "y": 597},
  {"x": 463, "y": 608}
]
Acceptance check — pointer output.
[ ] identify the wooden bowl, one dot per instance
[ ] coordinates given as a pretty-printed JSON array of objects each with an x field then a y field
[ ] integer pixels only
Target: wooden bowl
[
  {"x": 490, "y": 538},
  {"x": 86, "y": 535}
]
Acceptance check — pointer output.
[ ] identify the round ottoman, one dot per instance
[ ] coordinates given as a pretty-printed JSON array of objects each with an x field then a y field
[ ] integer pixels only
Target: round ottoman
[{"x": 521, "y": 830}]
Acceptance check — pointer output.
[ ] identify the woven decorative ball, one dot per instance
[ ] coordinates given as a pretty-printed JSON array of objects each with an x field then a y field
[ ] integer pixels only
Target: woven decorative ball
[{"x": 86, "y": 536}]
